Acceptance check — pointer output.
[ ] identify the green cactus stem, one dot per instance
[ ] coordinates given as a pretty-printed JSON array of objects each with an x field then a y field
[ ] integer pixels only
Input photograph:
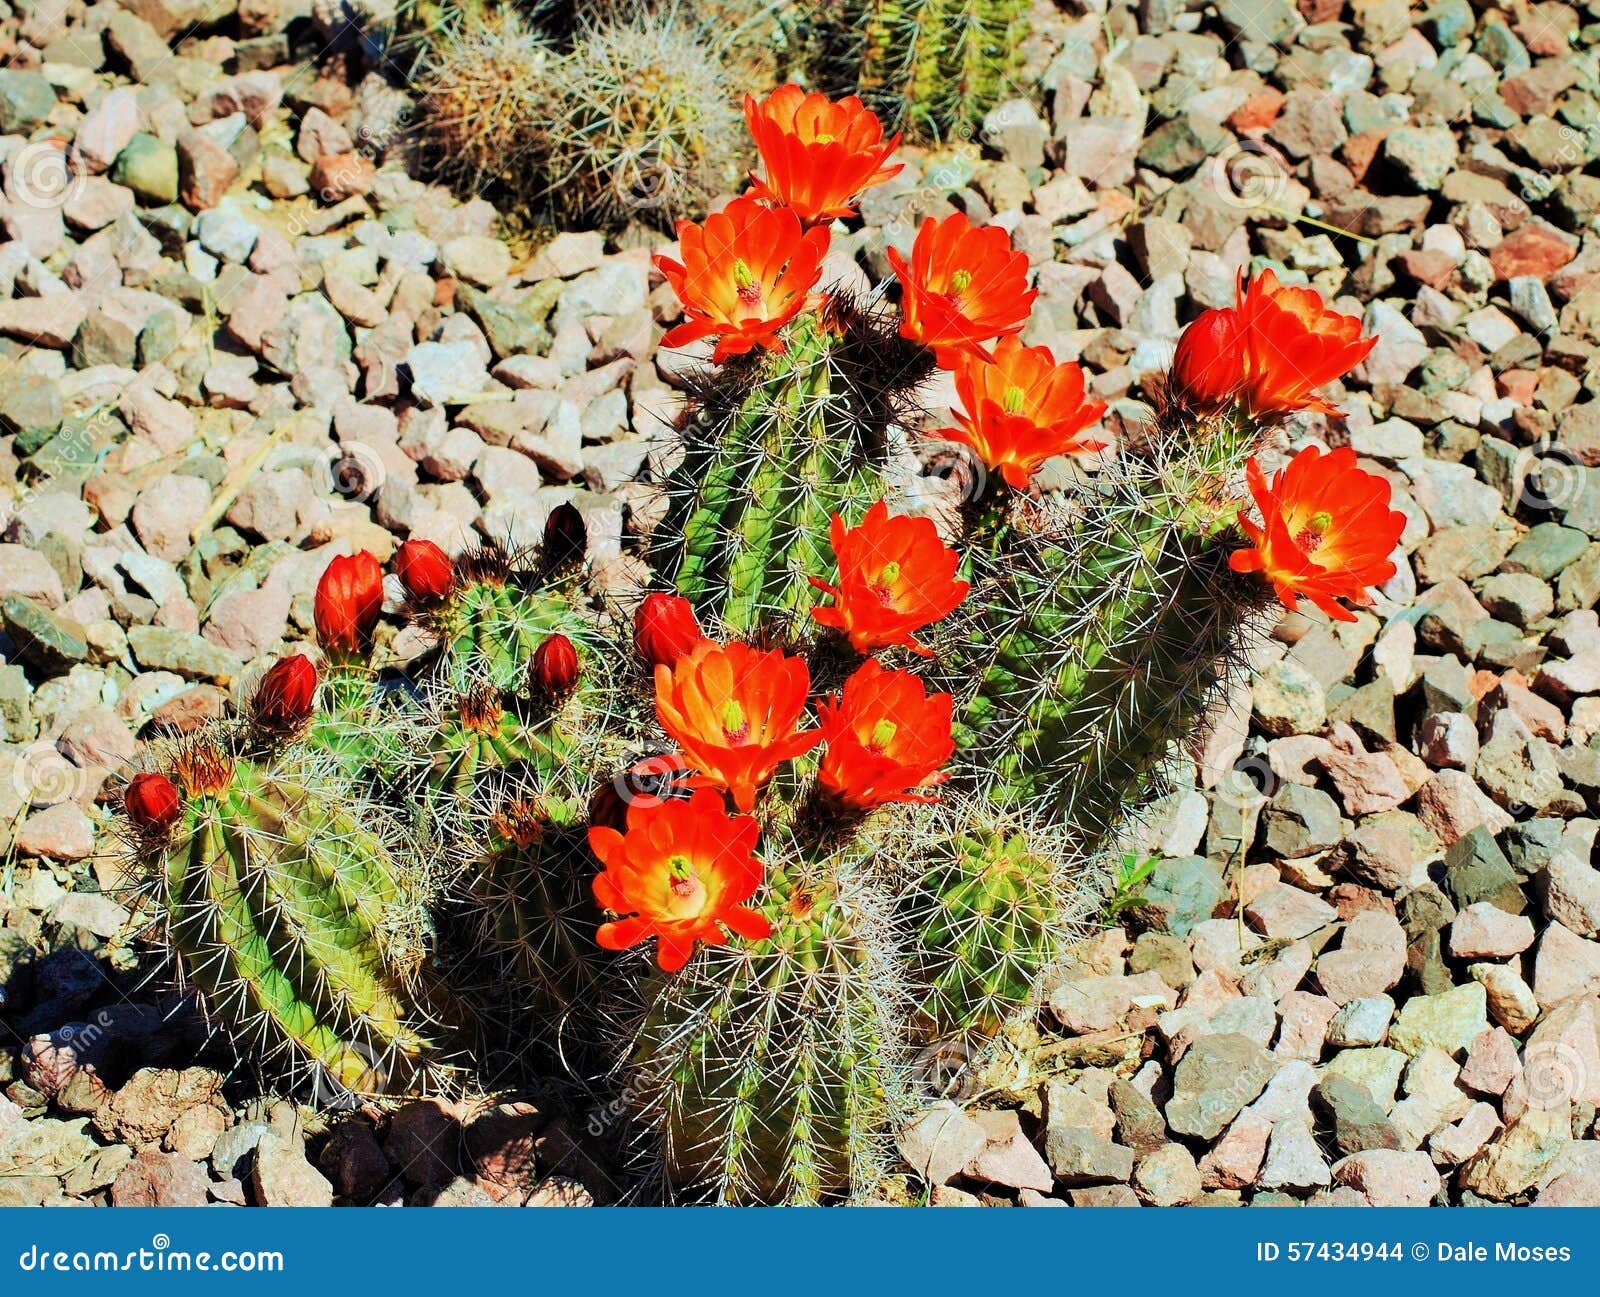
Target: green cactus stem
[
  {"x": 300, "y": 930},
  {"x": 773, "y": 447},
  {"x": 772, "y": 1073},
  {"x": 933, "y": 68}
]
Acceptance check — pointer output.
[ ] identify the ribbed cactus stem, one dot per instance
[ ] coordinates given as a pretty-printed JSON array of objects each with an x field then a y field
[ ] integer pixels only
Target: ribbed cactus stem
[
  {"x": 775, "y": 447},
  {"x": 934, "y": 67},
  {"x": 296, "y": 925},
  {"x": 772, "y": 1073},
  {"x": 537, "y": 914}
]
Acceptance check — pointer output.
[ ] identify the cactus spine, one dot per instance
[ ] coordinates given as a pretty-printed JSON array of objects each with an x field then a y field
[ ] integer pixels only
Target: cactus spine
[
  {"x": 929, "y": 67},
  {"x": 300, "y": 929},
  {"x": 771, "y": 451}
]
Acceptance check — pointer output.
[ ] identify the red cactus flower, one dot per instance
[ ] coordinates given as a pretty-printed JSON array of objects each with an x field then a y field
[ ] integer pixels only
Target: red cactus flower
[
  {"x": 895, "y": 577},
  {"x": 1294, "y": 344},
  {"x": 348, "y": 604},
  {"x": 1208, "y": 367},
  {"x": 1021, "y": 409},
  {"x": 425, "y": 571},
  {"x": 1326, "y": 531},
  {"x": 664, "y": 629},
  {"x": 152, "y": 802},
  {"x": 287, "y": 694},
  {"x": 886, "y": 738},
  {"x": 819, "y": 155},
  {"x": 735, "y": 712},
  {"x": 682, "y": 872},
  {"x": 963, "y": 287},
  {"x": 553, "y": 672},
  {"x": 745, "y": 274}
]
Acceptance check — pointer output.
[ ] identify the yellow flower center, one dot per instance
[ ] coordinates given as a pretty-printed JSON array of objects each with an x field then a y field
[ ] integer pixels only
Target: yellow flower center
[
  {"x": 688, "y": 892},
  {"x": 747, "y": 285},
  {"x": 960, "y": 280},
  {"x": 882, "y": 735},
  {"x": 1310, "y": 537},
  {"x": 734, "y": 722},
  {"x": 1013, "y": 400},
  {"x": 883, "y": 587}
]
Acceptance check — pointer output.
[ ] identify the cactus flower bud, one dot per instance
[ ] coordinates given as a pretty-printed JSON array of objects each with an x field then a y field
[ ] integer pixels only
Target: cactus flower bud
[
  {"x": 1208, "y": 367},
  {"x": 348, "y": 604},
  {"x": 425, "y": 571},
  {"x": 152, "y": 802},
  {"x": 664, "y": 629},
  {"x": 287, "y": 694},
  {"x": 553, "y": 672},
  {"x": 566, "y": 537}
]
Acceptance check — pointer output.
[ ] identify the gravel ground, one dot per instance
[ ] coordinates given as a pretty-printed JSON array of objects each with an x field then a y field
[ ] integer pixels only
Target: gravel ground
[{"x": 239, "y": 338}]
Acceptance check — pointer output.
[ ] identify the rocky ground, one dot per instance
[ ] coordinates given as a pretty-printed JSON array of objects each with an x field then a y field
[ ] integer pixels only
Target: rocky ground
[{"x": 240, "y": 337}]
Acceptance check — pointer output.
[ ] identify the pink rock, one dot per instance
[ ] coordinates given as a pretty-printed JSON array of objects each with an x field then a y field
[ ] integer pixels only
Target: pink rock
[
  {"x": 167, "y": 512},
  {"x": 250, "y": 622},
  {"x": 1492, "y": 1063},
  {"x": 1284, "y": 911},
  {"x": 1389, "y": 1178},
  {"x": 1368, "y": 782},
  {"x": 1571, "y": 1189},
  {"x": 1303, "y": 1028},
  {"x": 60, "y": 832},
  {"x": 1370, "y": 959},
  {"x": 1561, "y": 1061},
  {"x": 1008, "y": 1158},
  {"x": 1463, "y": 1141},
  {"x": 1534, "y": 248},
  {"x": 1564, "y": 965},
  {"x": 1484, "y": 931},
  {"x": 155, "y": 1179},
  {"x": 1452, "y": 805},
  {"x": 1235, "y": 1160},
  {"x": 105, "y": 132}
]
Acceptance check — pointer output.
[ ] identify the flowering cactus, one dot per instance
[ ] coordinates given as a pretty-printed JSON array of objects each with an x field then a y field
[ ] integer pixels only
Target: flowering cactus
[{"x": 846, "y": 782}]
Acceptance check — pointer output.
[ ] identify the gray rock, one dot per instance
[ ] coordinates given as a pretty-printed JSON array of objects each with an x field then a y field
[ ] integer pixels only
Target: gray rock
[{"x": 1217, "y": 1077}]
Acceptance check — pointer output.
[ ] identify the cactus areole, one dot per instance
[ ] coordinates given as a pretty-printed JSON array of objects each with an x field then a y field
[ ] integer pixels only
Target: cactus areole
[{"x": 833, "y": 793}]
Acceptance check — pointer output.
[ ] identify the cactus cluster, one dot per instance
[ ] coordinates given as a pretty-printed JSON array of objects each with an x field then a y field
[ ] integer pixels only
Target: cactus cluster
[
  {"x": 932, "y": 68},
  {"x": 616, "y": 120},
  {"x": 848, "y": 778}
]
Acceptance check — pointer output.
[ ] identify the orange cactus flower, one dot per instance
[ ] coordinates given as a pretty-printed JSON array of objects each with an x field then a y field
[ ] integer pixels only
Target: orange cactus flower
[
  {"x": 1326, "y": 531},
  {"x": 348, "y": 603},
  {"x": 895, "y": 577},
  {"x": 682, "y": 873},
  {"x": 819, "y": 155},
  {"x": 735, "y": 713},
  {"x": 1208, "y": 367},
  {"x": 1293, "y": 344},
  {"x": 963, "y": 287},
  {"x": 886, "y": 738},
  {"x": 1021, "y": 409},
  {"x": 745, "y": 274}
]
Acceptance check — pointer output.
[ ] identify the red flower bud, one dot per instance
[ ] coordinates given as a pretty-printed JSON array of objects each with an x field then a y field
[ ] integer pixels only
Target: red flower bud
[
  {"x": 554, "y": 670},
  {"x": 425, "y": 571},
  {"x": 152, "y": 802},
  {"x": 1208, "y": 368},
  {"x": 287, "y": 694},
  {"x": 348, "y": 604},
  {"x": 566, "y": 537},
  {"x": 664, "y": 629}
]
